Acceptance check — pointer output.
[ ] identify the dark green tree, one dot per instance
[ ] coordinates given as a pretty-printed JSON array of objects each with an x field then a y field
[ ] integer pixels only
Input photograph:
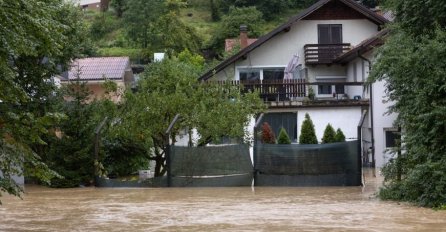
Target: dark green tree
[
  {"x": 340, "y": 137},
  {"x": 39, "y": 38},
  {"x": 283, "y": 137},
  {"x": 139, "y": 20},
  {"x": 307, "y": 133},
  {"x": 369, "y": 3},
  {"x": 329, "y": 134},
  {"x": 119, "y": 6},
  {"x": 411, "y": 64}
]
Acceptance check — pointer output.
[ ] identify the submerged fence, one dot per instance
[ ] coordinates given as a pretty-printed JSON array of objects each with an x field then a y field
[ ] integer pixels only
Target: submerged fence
[
  {"x": 211, "y": 166},
  {"x": 334, "y": 164}
]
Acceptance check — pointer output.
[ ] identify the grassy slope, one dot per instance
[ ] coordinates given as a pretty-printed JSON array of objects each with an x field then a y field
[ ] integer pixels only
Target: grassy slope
[{"x": 197, "y": 15}]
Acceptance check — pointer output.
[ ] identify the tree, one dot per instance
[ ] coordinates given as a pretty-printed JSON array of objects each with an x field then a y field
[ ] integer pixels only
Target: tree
[
  {"x": 139, "y": 20},
  {"x": 268, "y": 134},
  {"x": 171, "y": 87},
  {"x": 283, "y": 137},
  {"x": 329, "y": 134},
  {"x": 45, "y": 35},
  {"x": 340, "y": 137},
  {"x": 307, "y": 133},
  {"x": 369, "y": 3},
  {"x": 229, "y": 26},
  {"x": 119, "y": 6},
  {"x": 411, "y": 64}
]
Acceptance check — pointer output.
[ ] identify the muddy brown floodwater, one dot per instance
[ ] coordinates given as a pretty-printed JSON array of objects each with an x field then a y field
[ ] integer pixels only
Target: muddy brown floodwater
[{"x": 214, "y": 209}]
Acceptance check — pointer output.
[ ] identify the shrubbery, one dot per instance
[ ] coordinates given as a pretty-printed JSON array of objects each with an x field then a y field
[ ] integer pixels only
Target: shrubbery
[
  {"x": 268, "y": 134},
  {"x": 283, "y": 137}
]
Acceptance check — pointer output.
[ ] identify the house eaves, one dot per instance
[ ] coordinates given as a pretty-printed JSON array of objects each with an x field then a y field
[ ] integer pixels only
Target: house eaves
[
  {"x": 365, "y": 46},
  {"x": 372, "y": 16}
]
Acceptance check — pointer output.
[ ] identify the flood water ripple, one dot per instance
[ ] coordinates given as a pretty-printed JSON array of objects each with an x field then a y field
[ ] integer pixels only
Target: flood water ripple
[{"x": 213, "y": 209}]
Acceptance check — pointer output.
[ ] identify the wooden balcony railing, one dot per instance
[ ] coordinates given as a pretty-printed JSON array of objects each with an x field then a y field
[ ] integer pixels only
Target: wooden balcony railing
[
  {"x": 324, "y": 53},
  {"x": 283, "y": 90},
  {"x": 274, "y": 90}
]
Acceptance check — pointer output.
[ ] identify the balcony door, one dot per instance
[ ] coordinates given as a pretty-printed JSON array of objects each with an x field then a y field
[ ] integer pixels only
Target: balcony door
[
  {"x": 329, "y": 33},
  {"x": 330, "y": 38}
]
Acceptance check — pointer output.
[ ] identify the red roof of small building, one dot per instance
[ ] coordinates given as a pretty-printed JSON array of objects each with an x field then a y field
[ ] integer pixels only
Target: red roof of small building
[{"x": 99, "y": 68}]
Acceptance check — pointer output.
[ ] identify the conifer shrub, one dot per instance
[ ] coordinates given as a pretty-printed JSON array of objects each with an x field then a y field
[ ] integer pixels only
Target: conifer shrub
[
  {"x": 329, "y": 134},
  {"x": 268, "y": 134},
  {"x": 307, "y": 133},
  {"x": 283, "y": 137},
  {"x": 340, "y": 137}
]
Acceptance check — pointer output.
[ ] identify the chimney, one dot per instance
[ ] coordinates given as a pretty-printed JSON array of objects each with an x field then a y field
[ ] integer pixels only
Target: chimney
[{"x": 243, "y": 36}]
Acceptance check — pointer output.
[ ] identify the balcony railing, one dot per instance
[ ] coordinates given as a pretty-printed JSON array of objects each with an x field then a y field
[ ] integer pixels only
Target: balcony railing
[
  {"x": 288, "y": 90},
  {"x": 324, "y": 53}
]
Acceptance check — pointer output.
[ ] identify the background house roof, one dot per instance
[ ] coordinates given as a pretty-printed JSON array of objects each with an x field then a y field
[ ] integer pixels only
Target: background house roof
[
  {"x": 372, "y": 16},
  {"x": 98, "y": 68}
]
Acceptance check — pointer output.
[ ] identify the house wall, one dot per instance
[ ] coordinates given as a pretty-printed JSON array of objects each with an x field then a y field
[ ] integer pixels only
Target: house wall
[
  {"x": 98, "y": 92},
  {"x": 381, "y": 122},
  {"x": 346, "y": 118}
]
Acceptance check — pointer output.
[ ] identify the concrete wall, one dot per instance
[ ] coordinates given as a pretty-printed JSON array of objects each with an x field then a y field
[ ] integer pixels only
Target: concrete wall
[{"x": 381, "y": 122}]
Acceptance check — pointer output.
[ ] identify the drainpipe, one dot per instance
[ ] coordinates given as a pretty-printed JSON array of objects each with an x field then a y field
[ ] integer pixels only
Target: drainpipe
[{"x": 371, "y": 113}]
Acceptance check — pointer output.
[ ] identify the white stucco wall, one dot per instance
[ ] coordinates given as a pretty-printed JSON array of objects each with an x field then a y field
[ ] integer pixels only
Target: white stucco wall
[
  {"x": 280, "y": 49},
  {"x": 381, "y": 121},
  {"x": 20, "y": 180},
  {"x": 346, "y": 118}
]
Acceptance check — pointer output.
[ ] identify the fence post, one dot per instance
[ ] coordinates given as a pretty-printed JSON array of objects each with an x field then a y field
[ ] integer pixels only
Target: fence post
[
  {"x": 254, "y": 155},
  {"x": 168, "y": 149}
]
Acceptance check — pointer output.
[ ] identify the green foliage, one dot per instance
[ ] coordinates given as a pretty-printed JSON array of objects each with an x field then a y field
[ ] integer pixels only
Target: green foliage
[
  {"x": 269, "y": 8},
  {"x": 329, "y": 134},
  {"x": 268, "y": 134},
  {"x": 411, "y": 63},
  {"x": 37, "y": 37},
  {"x": 171, "y": 87},
  {"x": 102, "y": 24},
  {"x": 369, "y": 3},
  {"x": 283, "y": 137},
  {"x": 340, "y": 137},
  {"x": 139, "y": 20},
  {"x": 417, "y": 17},
  {"x": 119, "y": 6},
  {"x": 133, "y": 53},
  {"x": 307, "y": 133}
]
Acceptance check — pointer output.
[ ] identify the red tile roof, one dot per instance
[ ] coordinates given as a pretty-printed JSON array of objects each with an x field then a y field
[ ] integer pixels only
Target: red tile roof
[{"x": 99, "y": 68}]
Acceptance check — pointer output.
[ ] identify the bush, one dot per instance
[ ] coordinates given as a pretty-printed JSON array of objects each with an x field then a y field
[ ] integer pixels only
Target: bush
[
  {"x": 340, "y": 137},
  {"x": 268, "y": 134},
  {"x": 329, "y": 134},
  {"x": 307, "y": 133},
  {"x": 283, "y": 137}
]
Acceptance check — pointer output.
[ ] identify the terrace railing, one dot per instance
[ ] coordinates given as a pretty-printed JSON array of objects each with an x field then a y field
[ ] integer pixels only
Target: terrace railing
[
  {"x": 273, "y": 90},
  {"x": 324, "y": 53}
]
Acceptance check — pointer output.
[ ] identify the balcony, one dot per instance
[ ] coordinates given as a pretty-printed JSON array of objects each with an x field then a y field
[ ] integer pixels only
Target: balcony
[
  {"x": 294, "y": 93},
  {"x": 324, "y": 53}
]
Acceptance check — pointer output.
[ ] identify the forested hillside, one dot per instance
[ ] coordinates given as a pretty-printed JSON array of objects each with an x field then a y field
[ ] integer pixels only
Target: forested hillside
[{"x": 138, "y": 28}]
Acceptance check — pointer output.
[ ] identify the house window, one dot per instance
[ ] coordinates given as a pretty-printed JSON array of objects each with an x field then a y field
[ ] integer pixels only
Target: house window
[
  {"x": 393, "y": 138},
  {"x": 339, "y": 89},
  {"x": 273, "y": 74},
  {"x": 329, "y": 33},
  {"x": 249, "y": 75},
  {"x": 324, "y": 89}
]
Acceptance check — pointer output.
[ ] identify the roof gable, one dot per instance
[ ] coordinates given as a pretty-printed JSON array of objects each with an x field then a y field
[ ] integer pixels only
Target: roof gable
[
  {"x": 357, "y": 7},
  {"x": 335, "y": 10}
]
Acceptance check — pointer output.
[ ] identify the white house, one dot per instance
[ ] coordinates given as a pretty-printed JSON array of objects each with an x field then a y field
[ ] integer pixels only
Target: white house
[{"x": 334, "y": 40}]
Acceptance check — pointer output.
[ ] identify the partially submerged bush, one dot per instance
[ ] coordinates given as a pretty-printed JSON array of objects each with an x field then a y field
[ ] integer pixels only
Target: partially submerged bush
[
  {"x": 268, "y": 134},
  {"x": 283, "y": 137}
]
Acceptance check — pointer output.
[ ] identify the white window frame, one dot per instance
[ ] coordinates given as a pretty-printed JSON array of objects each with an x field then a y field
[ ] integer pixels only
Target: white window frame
[
  {"x": 333, "y": 87},
  {"x": 259, "y": 67}
]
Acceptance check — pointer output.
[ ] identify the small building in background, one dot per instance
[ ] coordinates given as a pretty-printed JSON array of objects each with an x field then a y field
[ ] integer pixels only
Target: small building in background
[
  {"x": 94, "y": 71},
  {"x": 92, "y": 4}
]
